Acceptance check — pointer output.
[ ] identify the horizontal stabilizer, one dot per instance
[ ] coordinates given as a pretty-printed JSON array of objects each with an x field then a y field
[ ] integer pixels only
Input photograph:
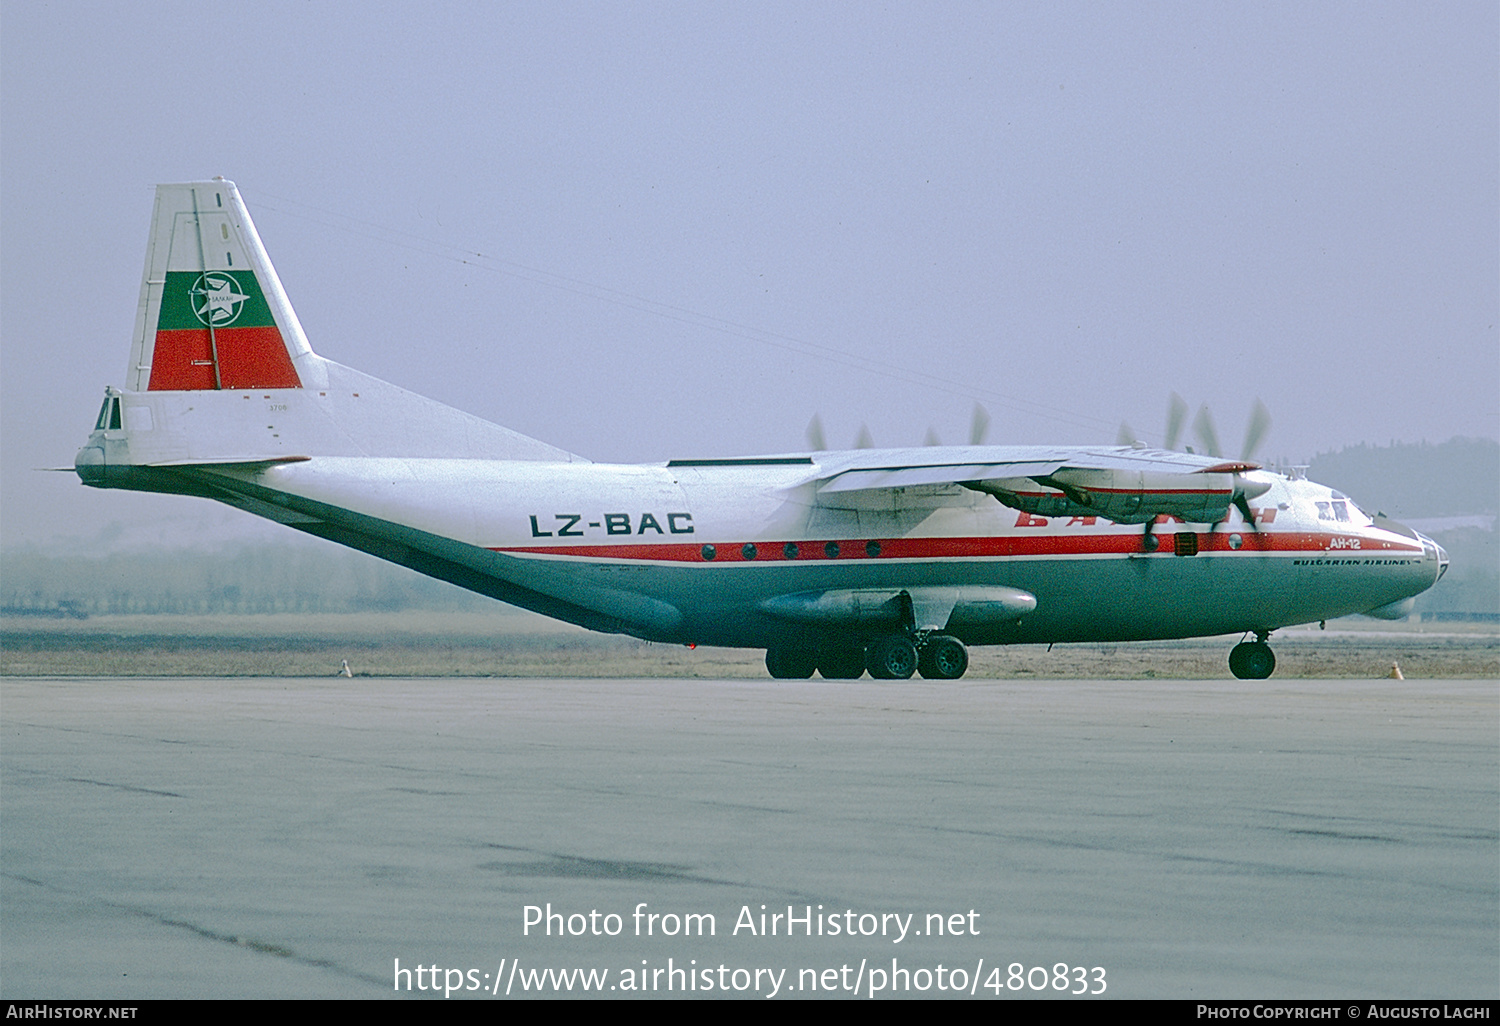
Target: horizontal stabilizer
[{"x": 236, "y": 461}]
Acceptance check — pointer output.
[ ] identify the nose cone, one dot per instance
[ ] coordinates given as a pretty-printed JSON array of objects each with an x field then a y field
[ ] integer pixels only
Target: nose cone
[{"x": 89, "y": 465}]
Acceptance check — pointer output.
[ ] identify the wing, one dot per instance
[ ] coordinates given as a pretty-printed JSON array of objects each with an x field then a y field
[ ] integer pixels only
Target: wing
[{"x": 1120, "y": 483}]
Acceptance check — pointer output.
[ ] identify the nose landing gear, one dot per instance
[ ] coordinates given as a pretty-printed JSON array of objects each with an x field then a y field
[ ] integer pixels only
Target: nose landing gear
[{"x": 1253, "y": 660}]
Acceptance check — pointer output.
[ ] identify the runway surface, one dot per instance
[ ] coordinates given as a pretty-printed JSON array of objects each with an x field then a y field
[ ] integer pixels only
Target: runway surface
[{"x": 295, "y": 838}]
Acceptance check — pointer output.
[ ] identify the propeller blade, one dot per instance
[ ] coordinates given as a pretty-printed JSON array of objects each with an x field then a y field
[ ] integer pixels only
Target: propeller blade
[
  {"x": 1243, "y": 505},
  {"x": 979, "y": 425},
  {"x": 815, "y": 440},
  {"x": 1255, "y": 431},
  {"x": 1177, "y": 411},
  {"x": 932, "y": 437},
  {"x": 863, "y": 439},
  {"x": 1208, "y": 435},
  {"x": 1126, "y": 435}
]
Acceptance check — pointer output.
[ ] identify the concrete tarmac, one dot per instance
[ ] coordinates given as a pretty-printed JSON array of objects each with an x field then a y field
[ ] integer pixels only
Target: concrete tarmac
[{"x": 308, "y": 837}]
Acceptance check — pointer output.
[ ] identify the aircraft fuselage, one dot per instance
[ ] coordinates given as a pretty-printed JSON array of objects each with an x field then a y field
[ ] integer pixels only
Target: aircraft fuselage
[{"x": 692, "y": 551}]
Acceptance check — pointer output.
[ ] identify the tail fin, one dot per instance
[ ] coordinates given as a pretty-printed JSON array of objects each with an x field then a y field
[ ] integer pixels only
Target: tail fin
[
  {"x": 215, "y": 335},
  {"x": 212, "y": 314}
]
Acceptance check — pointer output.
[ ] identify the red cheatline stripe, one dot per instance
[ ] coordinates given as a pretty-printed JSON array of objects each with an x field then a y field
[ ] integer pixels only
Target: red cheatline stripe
[{"x": 958, "y": 548}]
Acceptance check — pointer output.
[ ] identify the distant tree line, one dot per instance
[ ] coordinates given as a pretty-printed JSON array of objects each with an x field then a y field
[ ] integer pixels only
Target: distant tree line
[
  {"x": 1418, "y": 479},
  {"x": 263, "y": 578}
]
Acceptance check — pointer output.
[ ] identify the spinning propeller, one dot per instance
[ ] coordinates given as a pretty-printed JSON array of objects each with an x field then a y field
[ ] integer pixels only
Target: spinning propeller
[
  {"x": 979, "y": 428},
  {"x": 1207, "y": 436},
  {"x": 1255, "y": 431}
]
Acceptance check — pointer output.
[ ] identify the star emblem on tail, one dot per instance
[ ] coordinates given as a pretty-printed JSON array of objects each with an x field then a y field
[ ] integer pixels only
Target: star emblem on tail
[{"x": 217, "y": 299}]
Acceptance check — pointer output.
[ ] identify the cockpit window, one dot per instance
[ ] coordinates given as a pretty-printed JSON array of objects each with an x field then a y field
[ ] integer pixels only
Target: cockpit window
[{"x": 1337, "y": 510}]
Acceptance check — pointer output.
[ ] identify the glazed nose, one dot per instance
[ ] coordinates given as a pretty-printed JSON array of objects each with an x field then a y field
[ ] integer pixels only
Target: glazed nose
[{"x": 1431, "y": 550}]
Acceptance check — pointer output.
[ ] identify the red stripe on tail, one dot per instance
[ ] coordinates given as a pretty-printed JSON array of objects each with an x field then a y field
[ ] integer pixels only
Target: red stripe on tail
[{"x": 248, "y": 358}]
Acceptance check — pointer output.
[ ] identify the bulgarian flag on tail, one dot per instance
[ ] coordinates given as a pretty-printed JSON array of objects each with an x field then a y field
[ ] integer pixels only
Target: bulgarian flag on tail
[
  {"x": 212, "y": 314},
  {"x": 218, "y": 320}
]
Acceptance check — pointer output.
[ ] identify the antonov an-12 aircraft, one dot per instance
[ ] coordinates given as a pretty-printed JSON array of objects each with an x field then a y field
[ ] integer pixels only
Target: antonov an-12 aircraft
[{"x": 887, "y": 560}]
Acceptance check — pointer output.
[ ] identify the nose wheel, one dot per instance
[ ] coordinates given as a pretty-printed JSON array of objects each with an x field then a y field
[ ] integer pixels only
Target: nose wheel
[{"x": 1252, "y": 660}]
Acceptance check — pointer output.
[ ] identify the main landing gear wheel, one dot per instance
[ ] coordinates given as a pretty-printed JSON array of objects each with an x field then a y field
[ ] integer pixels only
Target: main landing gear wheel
[
  {"x": 790, "y": 663},
  {"x": 842, "y": 662},
  {"x": 944, "y": 657},
  {"x": 893, "y": 658},
  {"x": 1252, "y": 660}
]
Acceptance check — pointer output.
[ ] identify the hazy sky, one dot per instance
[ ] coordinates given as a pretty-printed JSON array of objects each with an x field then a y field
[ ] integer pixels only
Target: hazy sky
[{"x": 641, "y": 231}]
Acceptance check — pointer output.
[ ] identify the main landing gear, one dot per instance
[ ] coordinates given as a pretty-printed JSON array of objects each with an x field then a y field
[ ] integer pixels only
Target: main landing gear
[
  {"x": 1253, "y": 660},
  {"x": 943, "y": 658},
  {"x": 892, "y": 657}
]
